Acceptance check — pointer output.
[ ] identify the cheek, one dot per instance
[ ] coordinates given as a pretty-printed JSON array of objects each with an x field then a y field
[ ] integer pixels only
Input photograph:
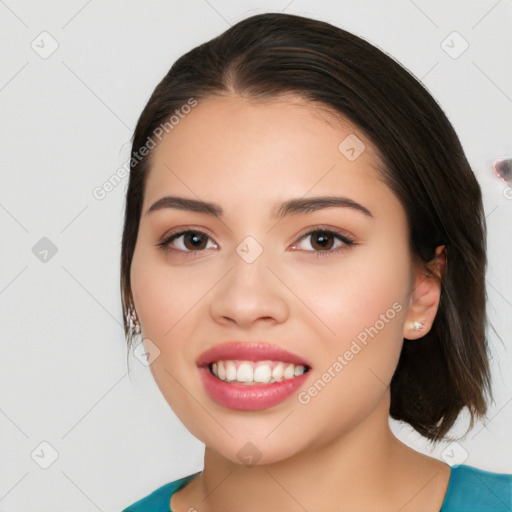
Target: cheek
[
  {"x": 359, "y": 308},
  {"x": 164, "y": 295},
  {"x": 161, "y": 300},
  {"x": 366, "y": 288},
  {"x": 355, "y": 365},
  {"x": 169, "y": 301}
]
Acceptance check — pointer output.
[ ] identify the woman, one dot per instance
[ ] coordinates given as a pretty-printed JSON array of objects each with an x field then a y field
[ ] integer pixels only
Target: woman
[{"x": 304, "y": 253}]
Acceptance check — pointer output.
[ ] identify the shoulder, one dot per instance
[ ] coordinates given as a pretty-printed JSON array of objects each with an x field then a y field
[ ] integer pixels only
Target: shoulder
[
  {"x": 475, "y": 490},
  {"x": 159, "y": 500}
]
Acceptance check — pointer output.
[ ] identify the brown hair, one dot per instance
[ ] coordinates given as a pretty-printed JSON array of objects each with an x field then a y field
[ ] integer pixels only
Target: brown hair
[{"x": 268, "y": 55}]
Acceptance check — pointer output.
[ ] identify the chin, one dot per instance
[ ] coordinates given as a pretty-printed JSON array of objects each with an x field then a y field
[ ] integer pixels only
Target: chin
[{"x": 256, "y": 451}]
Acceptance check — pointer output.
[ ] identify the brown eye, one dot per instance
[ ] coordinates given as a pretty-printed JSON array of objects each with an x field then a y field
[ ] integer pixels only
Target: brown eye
[
  {"x": 187, "y": 241},
  {"x": 194, "y": 241},
  {"x": 322, "y": 240}
]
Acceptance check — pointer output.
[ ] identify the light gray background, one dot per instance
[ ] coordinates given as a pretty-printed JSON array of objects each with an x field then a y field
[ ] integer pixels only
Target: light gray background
[{"x": 66, "y": 121}]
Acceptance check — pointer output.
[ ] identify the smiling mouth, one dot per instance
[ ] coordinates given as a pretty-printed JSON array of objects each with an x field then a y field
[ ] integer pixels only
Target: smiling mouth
[{"x": 255, "y": 372}]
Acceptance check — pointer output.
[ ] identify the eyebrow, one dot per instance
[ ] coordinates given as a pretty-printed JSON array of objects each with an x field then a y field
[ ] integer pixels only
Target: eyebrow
[{"x": 289, "y": 207}]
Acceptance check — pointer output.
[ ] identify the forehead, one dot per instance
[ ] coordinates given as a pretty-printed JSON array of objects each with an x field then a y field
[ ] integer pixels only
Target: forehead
[{"x": 244, "y": 148}]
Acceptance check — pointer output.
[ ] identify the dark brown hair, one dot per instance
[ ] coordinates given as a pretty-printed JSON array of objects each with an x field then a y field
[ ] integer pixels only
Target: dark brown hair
[{"x": 269, "y": 55}]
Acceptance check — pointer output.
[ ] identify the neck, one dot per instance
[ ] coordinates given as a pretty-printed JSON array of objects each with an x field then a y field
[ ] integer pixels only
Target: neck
[{"x": 356, "y": 471}]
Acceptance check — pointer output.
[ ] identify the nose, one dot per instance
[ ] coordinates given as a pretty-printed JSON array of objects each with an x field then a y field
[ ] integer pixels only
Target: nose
[{"x": 249, "y": 294}]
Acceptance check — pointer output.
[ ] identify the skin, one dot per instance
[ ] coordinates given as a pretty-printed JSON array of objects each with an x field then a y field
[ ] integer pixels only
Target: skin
[{"x": 337, "y": 452}]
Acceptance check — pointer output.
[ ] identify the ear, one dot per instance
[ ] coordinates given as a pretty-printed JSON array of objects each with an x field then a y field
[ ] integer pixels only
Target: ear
[{"x": 425, "y": 296}]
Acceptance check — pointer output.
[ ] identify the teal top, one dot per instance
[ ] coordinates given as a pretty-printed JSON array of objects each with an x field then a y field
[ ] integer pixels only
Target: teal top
[{"x": 469, "y": 490}]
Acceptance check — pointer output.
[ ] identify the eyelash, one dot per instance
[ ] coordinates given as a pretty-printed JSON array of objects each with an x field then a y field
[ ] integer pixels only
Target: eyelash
[{"x": 347, "y": 241}]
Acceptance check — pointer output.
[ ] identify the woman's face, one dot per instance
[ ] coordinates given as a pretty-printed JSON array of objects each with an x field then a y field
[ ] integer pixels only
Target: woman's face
[{"x": 253, "y": 272}]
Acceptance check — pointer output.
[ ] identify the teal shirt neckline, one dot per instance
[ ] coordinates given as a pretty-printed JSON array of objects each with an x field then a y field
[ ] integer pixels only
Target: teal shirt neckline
[
  {"x": 469, "y": 490},
  {"x": 474, "y": 490}
]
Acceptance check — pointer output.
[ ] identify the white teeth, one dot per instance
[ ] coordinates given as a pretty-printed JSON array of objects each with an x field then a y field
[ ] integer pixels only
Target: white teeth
[
  {"x": 277, "y": 372},
  {"x": 289, "y": 371},
  {"x": 230, "y": 370},
  {"x": 251, "y": 372},
  {"x": 262, "y": 373},
  {"x": 221, "y": 370},
  {"x": 244, "y": 373}
]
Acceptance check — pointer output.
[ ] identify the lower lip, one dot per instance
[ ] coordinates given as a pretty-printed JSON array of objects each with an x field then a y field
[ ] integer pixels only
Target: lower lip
[{"x": 250, "y": 397}]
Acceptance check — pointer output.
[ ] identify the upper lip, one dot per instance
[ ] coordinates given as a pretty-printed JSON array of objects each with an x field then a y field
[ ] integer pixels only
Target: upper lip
[{"x": 248, "y": 351}]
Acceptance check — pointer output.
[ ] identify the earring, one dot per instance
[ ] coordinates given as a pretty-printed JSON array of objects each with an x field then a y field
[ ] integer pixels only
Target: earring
[
  {"x": 417, "y": 326},
  {"x": 135, "y": 326}
]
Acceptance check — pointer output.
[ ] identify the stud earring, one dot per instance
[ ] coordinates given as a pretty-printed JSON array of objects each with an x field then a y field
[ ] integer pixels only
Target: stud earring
[
  {"x": 417, "y": 326},
  {"x": 135, "y": 326}
]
